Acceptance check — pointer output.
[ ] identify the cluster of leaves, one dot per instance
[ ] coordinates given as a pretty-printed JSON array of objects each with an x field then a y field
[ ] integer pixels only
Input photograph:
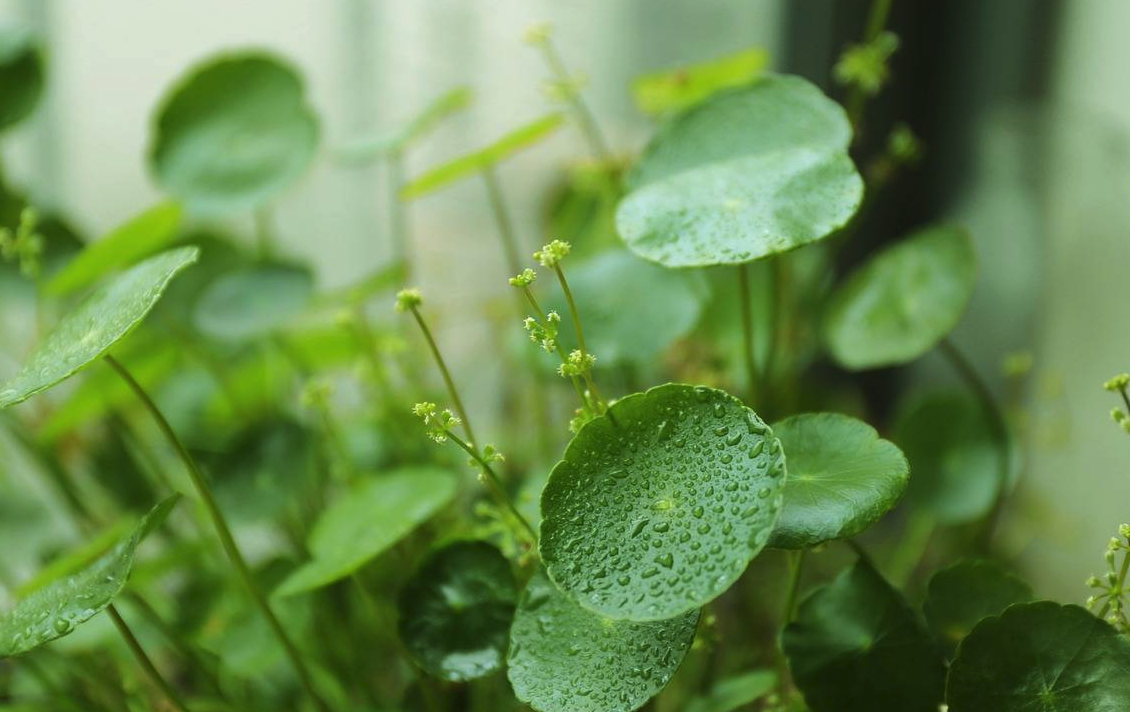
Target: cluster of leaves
[{"x": 637, "y": 551}]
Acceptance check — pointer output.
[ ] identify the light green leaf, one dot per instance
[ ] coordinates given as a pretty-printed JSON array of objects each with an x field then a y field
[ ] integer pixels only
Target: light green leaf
[
  {"x": 253, "y": 301},
  {"x": 959, "y": 597},
  {"x": 88, "y": 331},
  {"x": 857, "y": 646},
  {"x": 842, "y": 479},
  {"x": 140, "y": 236},
  {"x": 734, "y": 692},
  {"x": 1041, "y": 657},
  {"x": 516, "y": 140},
  {"x": 564, "y": 658},
  {"x": 658, "y": 506},
  {"x": 233, "y": 133},
  {"x": 21, "y": 76},
  {"x": 903, "y": 301},
  {"x": 675, "y": 90},
  {"x": 366, "y": 521},
  {"x": 445, "y": 105},
  {"x": 54, "y": 610},
  {"x": 455, "y": 613},
  {"x": 75, "y": 560}
]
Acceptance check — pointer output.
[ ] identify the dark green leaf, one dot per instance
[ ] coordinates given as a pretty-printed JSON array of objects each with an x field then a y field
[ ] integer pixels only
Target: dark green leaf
[
  {"x": 734, "y": 692},
  {"x": 659, "y": 505},
  {"x": 675, "y": 90},
  {"x": 21, "y": 76},
  {"x": 960, "y": 596},
  {"x": 253, "y": 301}
]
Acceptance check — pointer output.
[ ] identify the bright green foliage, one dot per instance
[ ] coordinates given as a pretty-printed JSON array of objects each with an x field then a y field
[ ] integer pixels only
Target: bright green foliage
[
  {"x": 842, "y": 479},
  {"x": 659, "y": 505},
  {"x": 88, "y": 331},
  {"x": 865, "y": 65},
  {"x": 675, "y": 90},
  {"x": 620, "y": 326},
  {"x": 456, "y": 611},
  {"x": 903, "y": 301},
  {"x": 366, "y": 521},
  {"x": 735, "y": 692},
  {"x": 857, "y": 646},
  {"x": 960, "y": 596},
  {"x": 253, "y": 301},
  {"x": 1041, "y": 657},
  {"x": 233, "y": 133},
  {"x": 54, "y": 610},
  {"x": 954, "y": 457},
  {"x": 751, "y": 173},
  {"x": 518, "y": 139},
  {"x": 564, "y": 658},
  {"x": 423, "y": 123},
  {"x": 138, "y": 237},
  {"x": 21, "y": 76}
]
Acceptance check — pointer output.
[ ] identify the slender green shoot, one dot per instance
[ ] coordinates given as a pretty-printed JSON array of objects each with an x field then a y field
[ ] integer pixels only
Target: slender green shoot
[
  {"x": 143, "y": 660},
  {"x": 747, "y": 332}
]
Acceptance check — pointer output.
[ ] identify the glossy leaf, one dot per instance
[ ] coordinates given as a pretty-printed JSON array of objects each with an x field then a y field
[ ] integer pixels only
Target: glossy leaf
[
  {"x": 902, "y": 301},
  {"x": 658, "y": 506},
  {"x": 1041, "y": 657},
  {"x": 751, "y": 173},
  {"x": 366, "y": 521},
  {"x": 675, "y": 90},
  {"x": 140, "y": 236},
  {"x": 455, "y": 613},
  {"x": 54, "y": 610},
  {"x": 233, "y": 133},
  {"x": 423, "y": 123},
  {"x": 954, "y": 457},
  {"x": 21, "y": 76},
  {"x": 857, "y": 646},
  {"x": 842, "y": 479},
  {"x": 253, "y": 301},
  {"x": 959, "y": 597},
  {"x": 518, "y": 139},
  {"x": 88, "y": 331},
  {"x": 735, "y": 692},
  {"x": 564, "y": 658}
]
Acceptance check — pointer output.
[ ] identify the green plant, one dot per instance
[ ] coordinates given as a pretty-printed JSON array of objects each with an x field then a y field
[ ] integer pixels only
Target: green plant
[{"x": 681, "y": 518}]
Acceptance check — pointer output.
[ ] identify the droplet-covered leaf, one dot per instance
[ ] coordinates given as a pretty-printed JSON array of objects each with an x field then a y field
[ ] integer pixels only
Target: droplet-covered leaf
[
  {"x": 54, "y": 610},
  {"x": 659, "y": 505},
  {"x": 902, "y": 301},
  {"x": 455, "y": 613},
  {"x": 842, "y": 479},
  {"x": 675, "y": 90},
  {"x": 91, "y": 328},
  {"x": 21, "y": 76},
  {"x": 253, "y": 301},
  {"x": 1041, "y": 657},
  {"x": 564, "y": 658},
  {"x": 364, "y": 522},
  {"x": 857, "y": 646},
  {"x": 750, "y": 173},
  {"x": 960, "y": 596},
  {"x": 735, "y": 692},
  {"x": 233, "y": 133}
]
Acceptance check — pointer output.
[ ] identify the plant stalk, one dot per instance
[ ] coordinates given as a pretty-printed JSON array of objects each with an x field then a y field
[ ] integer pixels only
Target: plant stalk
[
  {"x": 502, "y": 220},
  {"x": 747, "y": 332},
  {"x": 447, "y": 380},
  {"x": 876, "y": 23},
  {"x": 576, "y": 314},
  {"x": 584, "y": 116},
  {"x": 143, "y": 660},
  {"x": 398, "y": 215},
  {"x": 495, "y": 485}
]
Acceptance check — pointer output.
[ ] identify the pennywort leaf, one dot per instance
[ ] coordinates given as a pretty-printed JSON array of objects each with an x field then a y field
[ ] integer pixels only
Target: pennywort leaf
[
  {"x": 253, "y": 301},
  {"x": 735, "y": 692},
  {"x": 962, "y": 595}
]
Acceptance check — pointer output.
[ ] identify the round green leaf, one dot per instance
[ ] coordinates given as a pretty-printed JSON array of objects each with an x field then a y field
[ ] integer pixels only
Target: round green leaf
[
  {"x": 364, "y": 522},
  {"x": 564, "y": 658},
  {"x": 54, "y": 610},
  {"x": 620, "y": 327},
  {"x": 734, "y": 692},
  {"x": 1041, "y": 657},
  {"x": 21, "y": 76},
  {"x": 659, "y": 505},
  {"x": 857, "y": 646},
  {"x": 233, "y": 133},
  {"x": 748, "y": 174},
  {"x": 455, "y": 613},
  {"x": 253, "y": 301},
  {"x": 903, "y": 301},
  {"x": 959, "y": 597},
  {"x": 949, "y": 441},
  {"x": 89, "y": 330},
  {"x": 842, "y": 479}
]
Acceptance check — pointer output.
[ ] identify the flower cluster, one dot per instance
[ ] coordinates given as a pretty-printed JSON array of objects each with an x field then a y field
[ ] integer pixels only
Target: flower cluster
[
  {"x": 543, "y": 333},
  {"x": 408, "y": 299},
  {"x": 1119, "y": 384},
  {"x": 866, "y": 65},
  {"x": 577, "y": 364},
  {"x": 1112, "y": 586},
  {"x": 438, "y": 422},
  {"x": 25, "y": 245},
  {"x": 550, "y": 255},
  {"x": 524, "y": 279}
]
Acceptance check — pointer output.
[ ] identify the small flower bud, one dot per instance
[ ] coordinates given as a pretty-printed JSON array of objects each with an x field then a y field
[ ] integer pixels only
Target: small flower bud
[
  {"x": 551, "y": 254},
  {"x": 1117, "y": 415},
  {"x": 537, "y": 34},
  {"x": 408, "y": 299},
  {"x": 524, "y": 279},
  {"x": 1094, "y": 582},
  {"x": 1091, "y": 601},
  {"x": 1125, "y": 425},
  {"x": 1114, "y": 544},
  {"x": 1118, "y": 383}
]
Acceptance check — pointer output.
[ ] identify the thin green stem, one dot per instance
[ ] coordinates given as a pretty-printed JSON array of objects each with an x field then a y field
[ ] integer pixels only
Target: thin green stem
[
  {"x": 185, "y": 649},
  {"x": 495, "y": 485},
  {"x": 576, "y": 314},
  {"x": 502, "y": 220},
  {"x": 584, "y": 116},
  {"x": 447, "y": 380},
  {"x": 1118, "y": 589},
  {"x": 143, "y": 660},
  {"x": 747, "y": 332},
  {"x": 398, "y": 215},
  {"x": 796, "y": 565},
  {"x": 558, "y": 349},
  {"x": 239, "y": 563},
  {"x": 876, "y": 22},
  {"x": 912, "y": 547}
]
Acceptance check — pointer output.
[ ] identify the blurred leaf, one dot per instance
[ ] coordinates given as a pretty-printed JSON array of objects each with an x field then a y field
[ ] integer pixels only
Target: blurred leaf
[
  {"x": 382, "y": 280},
  {"x": 445, "y": 105},
  {"x": 583, "y": 206},
  {"x": 842, "y": 479},
  {"x": 456, "y": 611},
  {"x": 960, "y": 596},
  {"x": 518, "y": 139},
  {"x": 89, "y": 330},
  {"x": 266, "y": 472},
  {"x": 233, "y": 133},
  {"x": 857, "y": 646},
  {"x": 658, "y": 506},
  {"x": 21, "y": 76},
  {"x": 564, "y": 658},
  {"x": 253, "y": 301},
  {"x": 674, "y": 90},
  {"x": 75, "y": 560},
  {"x": 736, "y": 691},
  {"x": 903, "y": 301}
]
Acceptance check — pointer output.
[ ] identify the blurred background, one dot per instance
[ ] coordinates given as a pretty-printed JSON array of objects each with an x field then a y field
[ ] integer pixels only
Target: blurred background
[{"x": 1022, "y": 106}]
